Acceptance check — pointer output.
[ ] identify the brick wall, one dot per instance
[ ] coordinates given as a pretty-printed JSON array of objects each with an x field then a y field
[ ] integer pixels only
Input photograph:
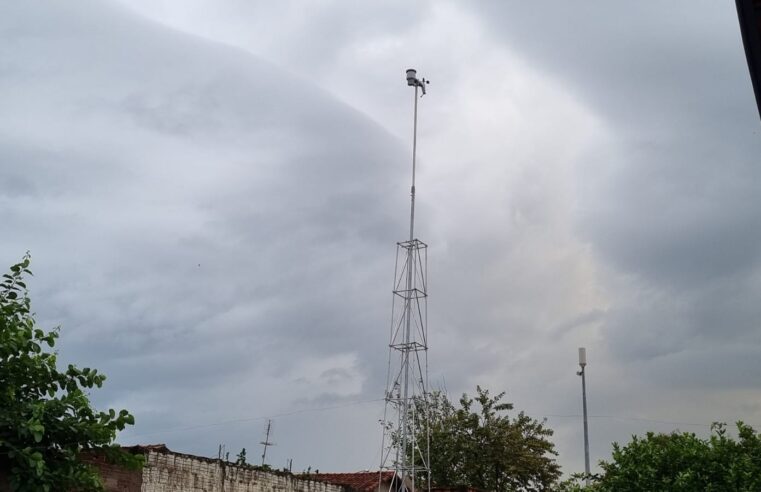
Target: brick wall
[
  {"x": 5, "y": 484},
  {"x": 116, "y": 478}
]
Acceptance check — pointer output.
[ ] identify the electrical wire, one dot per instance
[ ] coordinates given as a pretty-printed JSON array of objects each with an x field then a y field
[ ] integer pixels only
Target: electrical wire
[
  {"x": 374, "y": 400},
  {"x": 635, "y": 419}
]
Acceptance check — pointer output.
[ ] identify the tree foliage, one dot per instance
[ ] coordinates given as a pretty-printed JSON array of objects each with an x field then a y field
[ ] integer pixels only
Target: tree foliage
[
  {"x": 241, "y": 458},
  {"x": 683, "y": 462},
  {"x": 46, "y": 421},
  {"x": 478, "y": 445}
]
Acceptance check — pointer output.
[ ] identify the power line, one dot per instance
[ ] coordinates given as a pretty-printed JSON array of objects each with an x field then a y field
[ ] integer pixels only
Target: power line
[
  {"x": 363, "y": 402},
  {"x": 622, "y": 417}
]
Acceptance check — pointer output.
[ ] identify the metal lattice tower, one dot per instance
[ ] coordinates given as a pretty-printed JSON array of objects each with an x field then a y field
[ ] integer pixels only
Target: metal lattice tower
[{"x": 405, "y": 448}]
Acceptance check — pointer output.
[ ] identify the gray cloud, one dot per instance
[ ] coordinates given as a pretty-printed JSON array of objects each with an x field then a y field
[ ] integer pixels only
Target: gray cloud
[
  {"x": 193, "y": 213},
  {"x": 214, "y": 230}
]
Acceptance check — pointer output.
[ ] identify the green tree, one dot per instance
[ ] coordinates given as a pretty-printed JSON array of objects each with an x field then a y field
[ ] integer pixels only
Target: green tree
[
  {"x": 684, "y": 462},
  {"x": 47, "y": 423},
  {"x": 577, "y": 483},
  {"x": 241, "y": 458},
  {"x": 478, "y": 445}
]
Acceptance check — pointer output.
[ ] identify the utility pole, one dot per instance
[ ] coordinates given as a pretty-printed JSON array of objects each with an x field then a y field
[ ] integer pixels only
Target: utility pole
[
  {"x": 266, "y": 441},
  {"x": 582, "y": 373}
]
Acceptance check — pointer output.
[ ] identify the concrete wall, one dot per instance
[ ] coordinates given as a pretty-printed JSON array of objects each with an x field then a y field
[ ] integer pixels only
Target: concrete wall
[{"x": 174, "y": 472}]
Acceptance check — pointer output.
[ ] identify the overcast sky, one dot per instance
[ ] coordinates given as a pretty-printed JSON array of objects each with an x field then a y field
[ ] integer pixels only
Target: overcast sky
[{"x": 212, "y": 192}]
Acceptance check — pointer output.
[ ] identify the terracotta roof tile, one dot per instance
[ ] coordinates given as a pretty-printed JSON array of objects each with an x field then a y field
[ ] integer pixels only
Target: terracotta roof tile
[
  {"x": 455, "y": 489},
  {"x": 363, "y": 481}
]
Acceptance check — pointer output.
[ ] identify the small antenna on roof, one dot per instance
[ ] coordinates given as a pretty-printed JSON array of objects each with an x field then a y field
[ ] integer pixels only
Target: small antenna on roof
[{"x": 266, "y": 441}]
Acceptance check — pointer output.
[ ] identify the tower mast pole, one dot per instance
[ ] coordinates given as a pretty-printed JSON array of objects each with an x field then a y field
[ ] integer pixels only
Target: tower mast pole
[
  {"x": 408, "y": 300},
  {"x": 583, "y": 374},
  {"x": 414, "y": 162},
  {"x": 408, "y": 381}
]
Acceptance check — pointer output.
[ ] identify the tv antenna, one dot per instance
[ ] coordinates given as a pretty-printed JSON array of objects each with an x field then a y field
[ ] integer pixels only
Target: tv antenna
[{"x": 266, "y": 443}]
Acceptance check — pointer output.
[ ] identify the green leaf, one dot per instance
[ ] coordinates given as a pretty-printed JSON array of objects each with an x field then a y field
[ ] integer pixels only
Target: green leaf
[{"x": 52, "y": 418}]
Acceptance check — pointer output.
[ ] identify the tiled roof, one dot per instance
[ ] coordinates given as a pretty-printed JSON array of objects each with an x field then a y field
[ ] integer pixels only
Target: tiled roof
[
  {"x": 364, "y": 481},
  {"x": 141, "y": 448},
  {"x": 454, "y": 489}
]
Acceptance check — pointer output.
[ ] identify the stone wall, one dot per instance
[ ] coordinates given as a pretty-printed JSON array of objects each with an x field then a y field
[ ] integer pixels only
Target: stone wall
[
  {"x": 165, "y": 471},
  {"x": 175, "y": 472}
]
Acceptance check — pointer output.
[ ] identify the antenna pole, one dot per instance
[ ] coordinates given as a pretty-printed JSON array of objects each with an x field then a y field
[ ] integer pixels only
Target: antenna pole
[
  {"x": 586, "y": 424},
  {"x": 583, "y": 374},
  {"x": 414, "y": 156},
  {"x": 408, "y": 288},
  {"x": 266, "y": 441}
]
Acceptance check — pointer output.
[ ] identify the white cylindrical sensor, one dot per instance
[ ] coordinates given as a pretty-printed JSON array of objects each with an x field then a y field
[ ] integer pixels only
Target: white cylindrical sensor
[
  {"x": 582, "y": 356},
  {"x": 411, "y": 76}
]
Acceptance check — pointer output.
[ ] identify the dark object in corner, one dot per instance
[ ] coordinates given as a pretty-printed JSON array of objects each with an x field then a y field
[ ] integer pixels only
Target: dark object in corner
[{"x": 749, "y": 13}]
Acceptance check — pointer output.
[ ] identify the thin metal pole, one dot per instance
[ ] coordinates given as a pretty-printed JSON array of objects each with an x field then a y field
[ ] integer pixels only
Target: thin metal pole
[
  {"x": 414, "y": 154},
  {"x": 586, "y": 427},
  {"x": 408, "y": 303},
  {"x": 266, "y": 441},
  {"x": 427, "y": 385}
]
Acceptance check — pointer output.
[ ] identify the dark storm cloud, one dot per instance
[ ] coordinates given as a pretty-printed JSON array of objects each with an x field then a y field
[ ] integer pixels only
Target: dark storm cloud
[
  {"x": 678, "y": 211},
  {"x": 193, "y": 212},
  {"x": 671, "y": 81},
  {"x": 667, "y": 201},
  {"x": 216, "y": 234},
  {"x": 671, "y": 199},
  {"x": 311, "y": 36},
  {"x": 646, "y": 67}
]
